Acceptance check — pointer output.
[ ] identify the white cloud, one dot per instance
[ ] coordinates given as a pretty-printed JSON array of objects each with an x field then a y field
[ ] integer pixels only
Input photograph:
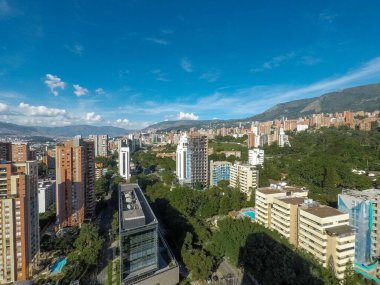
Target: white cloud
[
  {"x": 187, "y": 116},
  {"x": 76, "y": 48},
  {"x": 79, "y": 90},
  {"x": 100, "y": 91},
  {"x": 42, "y": 111},
  {"x": 160, "y": 75},
  {"x": 327, "y": 18},
  {"x": 125, "y": 123},
  {"x": 157, "y": 41},
  {"x": 3, "y": 107},
  {"x": 92, "y": 117},
  {"x": 186, "y": 65},
  {"x": 275, "y": 62},
  {"x": 54, "y": 82},
  {"x": 211, "y": 76},
  {"x": 310, "y": 60}
]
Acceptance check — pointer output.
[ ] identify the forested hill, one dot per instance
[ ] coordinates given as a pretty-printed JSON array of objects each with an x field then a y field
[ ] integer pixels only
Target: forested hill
[{"x": 361, "y": 98}]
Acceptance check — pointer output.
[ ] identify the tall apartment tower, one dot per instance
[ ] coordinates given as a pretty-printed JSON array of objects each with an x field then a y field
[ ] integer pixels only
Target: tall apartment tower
[
  {"x": 75, "y": 178},
  {"x": 183, "y": 160},
  {"x": 6, "y": 151},
  {"x": 124, "y": 162},
  {"x": 20, "y": 152},
  {"x": 199, "y": 160},
  {"x": 100, "y": 144},
  {"x": 145, "y": 256},
  {"x": 363, "y": 208},
  {"x": 19, "y": 227}
]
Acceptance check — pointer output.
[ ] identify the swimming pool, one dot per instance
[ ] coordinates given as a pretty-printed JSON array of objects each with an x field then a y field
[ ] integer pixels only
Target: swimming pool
[
  {"x": 58, "y": 265},
  {"x": 250, "y": 214}
]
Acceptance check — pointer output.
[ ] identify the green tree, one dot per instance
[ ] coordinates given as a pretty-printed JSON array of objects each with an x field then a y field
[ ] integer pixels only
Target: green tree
[
  {"x": 88, "y": 244},
  {"x": 349, "y": 275}
]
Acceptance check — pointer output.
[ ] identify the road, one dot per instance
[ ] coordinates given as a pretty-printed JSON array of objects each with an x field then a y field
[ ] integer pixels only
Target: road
[{"x": 104, "y": 221}]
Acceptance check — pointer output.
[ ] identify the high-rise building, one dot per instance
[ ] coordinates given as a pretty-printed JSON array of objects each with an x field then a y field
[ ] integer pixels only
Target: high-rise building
[
  {"x": 145, "y": 257},
  {"x": 256, "y": 156},
  {"x": 124, "y": 162},
  {"x": 363, "y": 208},
  {"x": 100, "y": 144},
  {"x": 192, "y": 160},
  {"x": 219, "y": 170},
  {"x": 19, "y": 227},
  {"x": 183, "y": 160},
  {"x": 251, "y": 140},
  {"x": 20, "y": 152},
  {"x": 46, "y": 195},
  {"x": 199, "y": 160},
  {"x": 5, "y": 151},
  {"x": 245, "y": 177},
  {"x": 75, "y": 179},
  {"x": 324, "y": 232}
]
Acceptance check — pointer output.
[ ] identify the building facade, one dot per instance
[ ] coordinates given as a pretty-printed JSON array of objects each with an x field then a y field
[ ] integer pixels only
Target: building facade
[
  {"x": 75, "y": 180},
  {"x": 46, "y": 195},
  {"x": 100, "y": 144},
  {"x": 363, "y": 208},
  {"x": 145, "y": 257},
  {"x": 124, "y": 162},
  {"x": 192, "y": 160},
  {"x": 219, "y": 170},
  {"x": 324, "y": 232},
  {"x": 266, "y": 197},
  {"x": 256, "y": 156},
  {"x": 5, "y": 151},
  {"x": 244, "y": 177},
  {"x": 19, "y": 226}
]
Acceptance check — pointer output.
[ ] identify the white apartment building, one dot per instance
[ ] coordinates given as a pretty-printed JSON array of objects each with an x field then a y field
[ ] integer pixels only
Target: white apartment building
[
  {"x": 183, "y": 160},
  {"x": 256, "y": 156},
  {"x": 46, "y": 195},
  {"x": 124, "y": 162},
  {"x": 284, "y": 217},
  {"x": 266, "y": 196},
  {"x": 324, "y": 232},
  {"x": 244, "y": 177}
]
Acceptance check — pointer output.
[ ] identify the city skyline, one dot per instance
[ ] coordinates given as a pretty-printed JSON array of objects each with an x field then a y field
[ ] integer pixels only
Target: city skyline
[{"x": 134, "y": 63}]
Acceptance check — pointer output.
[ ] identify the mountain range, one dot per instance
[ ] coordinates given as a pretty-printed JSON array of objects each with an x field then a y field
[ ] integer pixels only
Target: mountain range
[
  {"x": 8, "y": 129},
  {"x": 360, "y": 98}
]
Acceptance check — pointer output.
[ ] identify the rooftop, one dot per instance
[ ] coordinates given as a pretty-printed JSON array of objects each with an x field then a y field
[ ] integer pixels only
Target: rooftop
[
  {"x": 323, "y": 211},
  {"x": 343, "y": 230},
  {"x": 134, "y": 208},
  {"x": 365, "y": 194},
  {"x": 274, "y": 189},
  {"x": 293, "y": 200}
]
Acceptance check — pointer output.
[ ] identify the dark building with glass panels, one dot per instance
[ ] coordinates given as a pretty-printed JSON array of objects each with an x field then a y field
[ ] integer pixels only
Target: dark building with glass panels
[{"x": 141, "y": 243}]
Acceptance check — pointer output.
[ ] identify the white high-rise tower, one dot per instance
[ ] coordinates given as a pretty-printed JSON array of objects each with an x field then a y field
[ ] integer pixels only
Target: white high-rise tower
[
  {"x": 124, "y": 162},
  {"x": 183, "y": 159}
]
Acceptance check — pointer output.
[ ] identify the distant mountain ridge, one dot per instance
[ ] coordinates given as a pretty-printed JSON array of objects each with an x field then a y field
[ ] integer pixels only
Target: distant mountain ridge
[
  {"x": 8, "y": 129},
  {"x": 360, "y": 98}
]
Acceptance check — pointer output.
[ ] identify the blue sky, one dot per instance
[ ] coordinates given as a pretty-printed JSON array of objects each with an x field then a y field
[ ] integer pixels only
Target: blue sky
[{"x": 132, "y": 63}]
